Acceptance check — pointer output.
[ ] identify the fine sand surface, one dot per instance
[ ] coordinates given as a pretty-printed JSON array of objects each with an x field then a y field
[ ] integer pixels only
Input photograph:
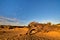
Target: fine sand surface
[{"x": 20, "y": 34}]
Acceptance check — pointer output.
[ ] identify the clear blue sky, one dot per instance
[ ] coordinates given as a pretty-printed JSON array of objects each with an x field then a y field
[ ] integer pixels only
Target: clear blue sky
[{"x": 31, "y": 10}]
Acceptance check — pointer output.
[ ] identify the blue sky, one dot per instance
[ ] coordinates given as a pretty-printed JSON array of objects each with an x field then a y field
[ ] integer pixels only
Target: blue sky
[{"x": 31, "y": 10}]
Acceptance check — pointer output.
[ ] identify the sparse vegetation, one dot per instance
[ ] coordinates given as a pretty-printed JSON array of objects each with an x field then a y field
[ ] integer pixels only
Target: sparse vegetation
[{"x": 34, "y": 31}]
